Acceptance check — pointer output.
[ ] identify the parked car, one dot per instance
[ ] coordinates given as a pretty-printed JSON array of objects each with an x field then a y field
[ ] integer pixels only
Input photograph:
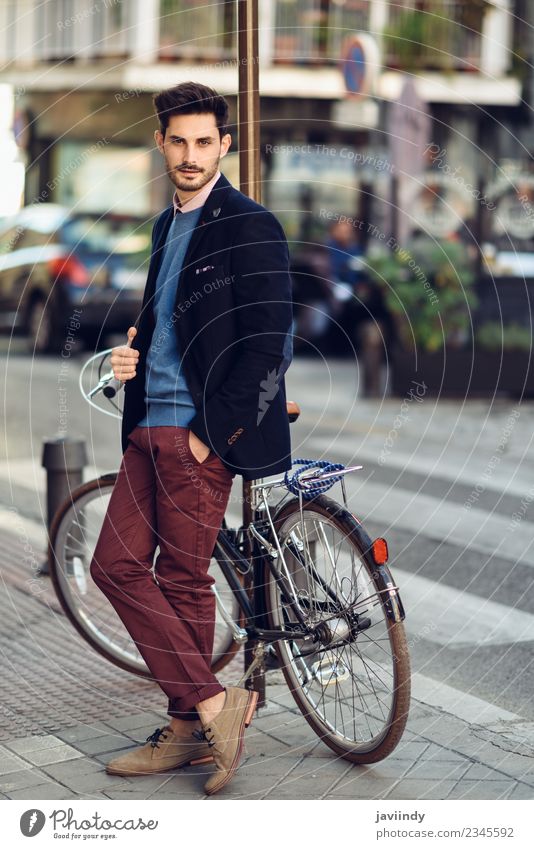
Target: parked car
[{"x": 54, "y": 260}]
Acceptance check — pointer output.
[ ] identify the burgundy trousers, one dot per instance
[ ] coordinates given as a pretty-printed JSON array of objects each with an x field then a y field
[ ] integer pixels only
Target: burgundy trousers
[{"x": 164, "y": 497}]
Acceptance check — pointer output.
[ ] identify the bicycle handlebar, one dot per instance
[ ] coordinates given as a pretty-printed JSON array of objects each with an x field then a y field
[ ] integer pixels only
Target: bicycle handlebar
[{"x": 111, "y": 388}]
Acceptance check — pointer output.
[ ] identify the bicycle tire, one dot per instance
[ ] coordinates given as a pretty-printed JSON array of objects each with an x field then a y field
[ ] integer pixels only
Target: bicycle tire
[
  {"x": 68, "y": 523},
  {"x": 304, "y": 673}
]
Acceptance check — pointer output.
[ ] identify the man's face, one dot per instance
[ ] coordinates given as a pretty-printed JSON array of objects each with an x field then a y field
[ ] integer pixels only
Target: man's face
[{"x": 192, "y": 148}]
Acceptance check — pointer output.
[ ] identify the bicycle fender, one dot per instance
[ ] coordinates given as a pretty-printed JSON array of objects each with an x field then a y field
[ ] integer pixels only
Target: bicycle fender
[{"x": 380, "y": 572}]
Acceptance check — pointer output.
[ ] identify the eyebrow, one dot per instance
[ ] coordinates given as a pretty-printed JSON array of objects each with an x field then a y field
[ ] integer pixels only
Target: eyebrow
[{"x": 200, "y": 138}]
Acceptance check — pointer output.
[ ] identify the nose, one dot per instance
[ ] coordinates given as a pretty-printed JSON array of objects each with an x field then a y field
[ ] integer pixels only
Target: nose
[{"x": 190, "y": 155}]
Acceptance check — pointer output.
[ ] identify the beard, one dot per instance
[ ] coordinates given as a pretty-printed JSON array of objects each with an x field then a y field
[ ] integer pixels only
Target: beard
[{"x": 192, "y": 182}]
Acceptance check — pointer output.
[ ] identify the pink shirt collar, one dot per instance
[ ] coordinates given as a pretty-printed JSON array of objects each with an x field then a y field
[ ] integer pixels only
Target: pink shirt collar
[{"x": 196, "y": 201}]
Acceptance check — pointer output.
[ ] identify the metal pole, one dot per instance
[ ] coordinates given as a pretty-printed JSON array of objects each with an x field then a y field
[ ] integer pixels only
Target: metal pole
[
  {"x": 248, "y": 122},
  {"x": 248, "y": 99},
  {"x": 64, "y": 459}
]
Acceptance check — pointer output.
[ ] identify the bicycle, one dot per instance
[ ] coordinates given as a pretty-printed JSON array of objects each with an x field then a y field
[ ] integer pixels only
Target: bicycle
[{"x": 300, "y": 575}]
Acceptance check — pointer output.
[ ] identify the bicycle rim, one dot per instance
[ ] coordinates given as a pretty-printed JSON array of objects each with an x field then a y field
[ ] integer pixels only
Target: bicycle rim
[
  {"x": 73, "y": 539},
  {"x": 353, "y": 686}
]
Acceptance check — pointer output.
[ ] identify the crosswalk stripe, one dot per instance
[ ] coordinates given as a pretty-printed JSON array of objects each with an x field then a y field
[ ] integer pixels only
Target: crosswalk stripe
[
  {"x": 459, "y": 703},
  {"x": 454, "y": 466},
  {"x": 441, "y": 520},
  {"x": 444, "y": 615}
]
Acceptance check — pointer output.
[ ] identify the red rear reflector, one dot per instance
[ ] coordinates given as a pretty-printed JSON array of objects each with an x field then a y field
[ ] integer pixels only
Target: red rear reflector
[{"x": 380, "y": 551}]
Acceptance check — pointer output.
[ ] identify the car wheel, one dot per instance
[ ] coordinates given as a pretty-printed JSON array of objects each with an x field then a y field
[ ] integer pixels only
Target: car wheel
[{"x": 39, "y": 326}]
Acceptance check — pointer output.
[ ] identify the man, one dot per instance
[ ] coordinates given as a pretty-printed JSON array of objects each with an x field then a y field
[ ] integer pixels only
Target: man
[{"x": 204, "y": 400}]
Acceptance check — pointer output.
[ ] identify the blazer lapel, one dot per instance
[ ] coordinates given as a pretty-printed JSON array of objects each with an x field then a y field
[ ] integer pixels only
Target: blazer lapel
[
  {"x": 155, "y": 259},
  {"x": 211, "y": 212}
]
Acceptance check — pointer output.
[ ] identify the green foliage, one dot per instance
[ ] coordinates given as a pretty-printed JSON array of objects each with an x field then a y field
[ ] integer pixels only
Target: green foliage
[
  {"x": 428, "y": 290},
  {"x": 493, "y": 336},
  {"x": 419, "y": 39}
]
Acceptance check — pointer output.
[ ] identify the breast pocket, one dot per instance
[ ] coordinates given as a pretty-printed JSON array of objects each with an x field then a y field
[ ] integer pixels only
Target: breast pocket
[{"x": 214, "y": 289}]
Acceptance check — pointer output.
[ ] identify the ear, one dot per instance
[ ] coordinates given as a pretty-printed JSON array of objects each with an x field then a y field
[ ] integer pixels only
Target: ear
[
  {"x": 159, "y": 139},
  {"x": 226, "y": 141}
]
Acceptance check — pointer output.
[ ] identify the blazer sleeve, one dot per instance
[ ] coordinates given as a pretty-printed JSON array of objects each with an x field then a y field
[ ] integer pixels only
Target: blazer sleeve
[{"x": 264, "y": 322}]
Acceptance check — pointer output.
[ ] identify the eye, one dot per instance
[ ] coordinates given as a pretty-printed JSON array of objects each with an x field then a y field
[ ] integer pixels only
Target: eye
[{"x": 204, "y": 142}]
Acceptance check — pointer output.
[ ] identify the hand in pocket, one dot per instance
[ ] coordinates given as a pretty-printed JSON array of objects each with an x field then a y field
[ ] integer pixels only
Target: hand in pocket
[{"x": 199, "y": 451}]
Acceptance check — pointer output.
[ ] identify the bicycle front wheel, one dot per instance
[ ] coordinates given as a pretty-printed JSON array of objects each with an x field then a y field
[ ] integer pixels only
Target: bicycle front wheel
[
  {"x": 73, "y": 538},
  {"x": 352, "y": 682}
]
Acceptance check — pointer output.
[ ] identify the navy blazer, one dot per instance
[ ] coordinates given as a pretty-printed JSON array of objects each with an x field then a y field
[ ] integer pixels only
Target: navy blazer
[{"x": 233, "y": 320}]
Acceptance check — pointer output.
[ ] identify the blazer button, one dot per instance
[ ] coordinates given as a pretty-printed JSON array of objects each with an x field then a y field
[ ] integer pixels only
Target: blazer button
[{"x": 234, "y": 436}]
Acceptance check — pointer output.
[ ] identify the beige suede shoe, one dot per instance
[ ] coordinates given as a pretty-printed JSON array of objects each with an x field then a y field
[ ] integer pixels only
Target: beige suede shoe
[
  {"x": 163, "y": 750},
  {"x": 224, "y": 735}
]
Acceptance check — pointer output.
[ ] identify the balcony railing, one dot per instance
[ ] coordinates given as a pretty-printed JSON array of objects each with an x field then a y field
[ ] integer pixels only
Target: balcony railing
[
  {"x": 418, "y": 34},
  {"x": 310, "y": 31},
  {"x": 75, "y": 29},
  {"x": 434, "y": 35},
  {"x": 197, "y": 30}
]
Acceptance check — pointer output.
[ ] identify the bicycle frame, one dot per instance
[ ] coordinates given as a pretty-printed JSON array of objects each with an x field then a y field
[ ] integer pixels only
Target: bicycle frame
[{"x": 263, "y": 553}]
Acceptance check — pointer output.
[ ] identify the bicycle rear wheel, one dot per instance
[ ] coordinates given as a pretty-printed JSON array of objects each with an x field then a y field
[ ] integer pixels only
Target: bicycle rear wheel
[
  {"x": 352, "y": 683},
  {"x": 73, "y": 537}
]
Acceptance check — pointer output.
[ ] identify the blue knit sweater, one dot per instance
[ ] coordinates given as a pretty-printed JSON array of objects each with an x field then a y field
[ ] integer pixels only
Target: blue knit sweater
[{"x": 166, "y": 392}]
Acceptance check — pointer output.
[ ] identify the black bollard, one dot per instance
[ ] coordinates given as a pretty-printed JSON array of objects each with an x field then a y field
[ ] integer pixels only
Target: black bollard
[{"x": 64, "y": 459}]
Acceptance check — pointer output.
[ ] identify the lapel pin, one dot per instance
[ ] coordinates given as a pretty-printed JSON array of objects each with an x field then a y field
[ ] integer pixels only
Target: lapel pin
[{"x": 216, "y": 212}]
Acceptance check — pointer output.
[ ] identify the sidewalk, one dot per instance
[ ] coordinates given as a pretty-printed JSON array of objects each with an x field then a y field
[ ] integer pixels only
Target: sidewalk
[{"x": 66, "y": 712}]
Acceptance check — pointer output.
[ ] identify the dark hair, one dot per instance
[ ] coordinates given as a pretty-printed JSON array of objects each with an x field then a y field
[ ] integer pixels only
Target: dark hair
[{"x": 190, "y": 99}]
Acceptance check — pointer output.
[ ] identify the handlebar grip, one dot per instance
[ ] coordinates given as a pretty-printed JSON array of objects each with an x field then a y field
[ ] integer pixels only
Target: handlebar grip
[{"x": 111, "y": 389}]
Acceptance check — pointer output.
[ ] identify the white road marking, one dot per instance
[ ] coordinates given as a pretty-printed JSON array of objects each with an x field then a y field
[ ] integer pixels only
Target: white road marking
[{"x": 450, "y": 617}]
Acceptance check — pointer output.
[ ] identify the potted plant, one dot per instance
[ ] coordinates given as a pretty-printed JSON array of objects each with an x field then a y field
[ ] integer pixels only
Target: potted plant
[
  {"x": 428, "y": 290},
  {"x": 506, "y": 352},
  {"x": 420, "y": 39}
]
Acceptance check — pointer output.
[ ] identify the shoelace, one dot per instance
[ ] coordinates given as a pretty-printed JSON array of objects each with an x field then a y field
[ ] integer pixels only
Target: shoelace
[
  {"x": 155, "y": 737},
  {"x": 202, "y": 735}
]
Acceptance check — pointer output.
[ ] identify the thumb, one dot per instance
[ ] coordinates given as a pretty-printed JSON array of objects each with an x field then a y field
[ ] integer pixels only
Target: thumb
[{"x": 132, "y": 331}]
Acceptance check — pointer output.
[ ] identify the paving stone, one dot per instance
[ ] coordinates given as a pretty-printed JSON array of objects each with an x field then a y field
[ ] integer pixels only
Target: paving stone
[
  {"x": 480, "y": 772},
  {"x": 516, "y": 766},
  {"x": 10, "y": 762},
  {"x": 47, "y": 790},
  {"x": 435, "y": 769},
  {"x": 83, "y": 732},
  {"x": 65, "y": 770},
  {"x": 34, "y": 744},
  {"x": 125, "y": 795},
  {"x": 388, "y": 768},
  {"x": 106, "y": 743},
  {"x": 260, "y": 745},
  {"x": 124, "y": 723},
  {"x": 410, "y": 750},
  {"x": 41, "y": 757},
  {"x": 522, "y": 791},
  {"x": 95, "y": 781},
  {"x": 299, "y": 740},
  {"x": 440, "y": 753},
  {"x": 481, "y": 790},
  {"x": 23, "y": 778},
  {"x": 416, "y": 788},
  {"x": 308, "y": 778}
]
